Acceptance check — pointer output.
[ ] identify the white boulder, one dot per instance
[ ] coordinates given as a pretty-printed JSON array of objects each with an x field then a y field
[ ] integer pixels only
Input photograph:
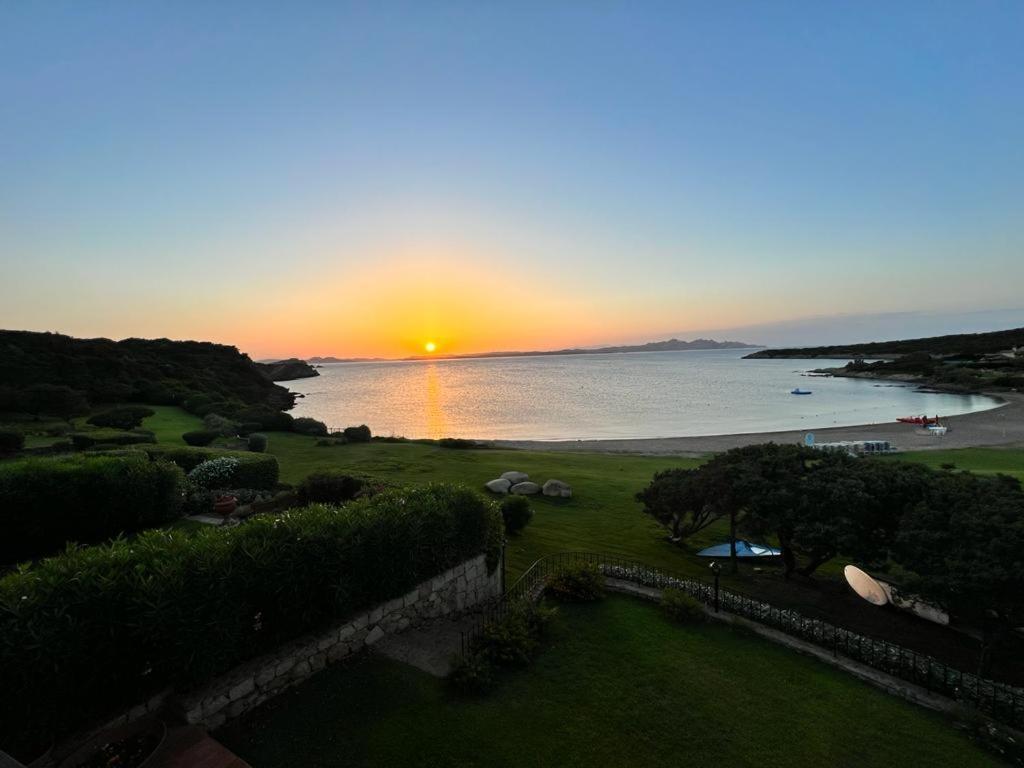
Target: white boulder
[
  {"x": 515, "y": 477},
  {"x": 501, "y": 485},
  {"x": 525, "y": 488},
  {"x": 557, "y": 488}
]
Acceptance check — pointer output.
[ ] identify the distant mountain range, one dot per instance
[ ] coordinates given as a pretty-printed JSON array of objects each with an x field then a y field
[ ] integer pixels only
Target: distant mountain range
[
  {"x": 963, "y": 345},
  {"x": 670, "y": 345}
]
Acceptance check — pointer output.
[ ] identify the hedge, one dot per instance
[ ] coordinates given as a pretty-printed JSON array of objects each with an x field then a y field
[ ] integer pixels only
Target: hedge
[
  {"x": 200, "y": 436},
  {"x": 11, "y": 441},
  {"x": 46, "y": 502},
  {"x": 96, "y": 630},
  {"x": 125, "y": 417},
  {"x": 254, "y": 470},
  {"x": 105, "y": 436}
]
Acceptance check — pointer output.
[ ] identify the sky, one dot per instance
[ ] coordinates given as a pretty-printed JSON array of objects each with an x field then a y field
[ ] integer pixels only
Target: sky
[{"x": 357, "y": 179}]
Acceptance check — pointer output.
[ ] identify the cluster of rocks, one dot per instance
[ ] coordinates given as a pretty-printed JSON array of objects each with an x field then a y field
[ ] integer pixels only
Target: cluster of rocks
[{"x": 520, "y": 484}]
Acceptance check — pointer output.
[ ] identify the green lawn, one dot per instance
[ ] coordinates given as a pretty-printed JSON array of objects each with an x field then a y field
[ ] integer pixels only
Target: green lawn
[
  {"x": 602, "y": 514},
  {"x": 616, "y": 684},
  {"x": 1009, "y": 461},
  {"x": 169, "y": 423}
]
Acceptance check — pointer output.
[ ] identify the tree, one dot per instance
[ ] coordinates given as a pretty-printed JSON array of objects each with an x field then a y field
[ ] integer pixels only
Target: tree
[
  {"x": 677, "y": 498},
  {"x": 962, "y": 547}
]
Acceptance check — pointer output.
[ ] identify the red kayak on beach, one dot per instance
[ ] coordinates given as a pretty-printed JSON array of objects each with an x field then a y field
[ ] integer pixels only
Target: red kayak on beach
[{"x": 922, "y": 420}]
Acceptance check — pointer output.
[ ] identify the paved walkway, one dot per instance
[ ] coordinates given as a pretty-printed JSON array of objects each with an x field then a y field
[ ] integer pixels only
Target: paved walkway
[
  {"x": 192, "y": 747},
  {"x": 429, "y": 648}
]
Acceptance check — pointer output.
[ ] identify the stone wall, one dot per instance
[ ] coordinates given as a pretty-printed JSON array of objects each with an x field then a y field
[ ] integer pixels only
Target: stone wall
[{"x": 252, "y": 683}]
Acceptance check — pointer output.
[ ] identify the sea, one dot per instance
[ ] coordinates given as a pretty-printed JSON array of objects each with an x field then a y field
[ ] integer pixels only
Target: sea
[{"x": 606, "y": 396}]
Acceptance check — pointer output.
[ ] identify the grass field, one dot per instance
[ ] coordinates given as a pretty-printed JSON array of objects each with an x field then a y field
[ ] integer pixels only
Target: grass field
[{"x": 616, "y": 684}]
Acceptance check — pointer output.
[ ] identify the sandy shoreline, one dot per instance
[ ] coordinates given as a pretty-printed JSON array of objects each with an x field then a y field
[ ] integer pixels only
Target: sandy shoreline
[{"x": 1003, "y": 425}]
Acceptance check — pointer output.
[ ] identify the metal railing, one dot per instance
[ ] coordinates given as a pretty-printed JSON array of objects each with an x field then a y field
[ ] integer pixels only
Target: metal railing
[{"x": 1000, "y": 701}]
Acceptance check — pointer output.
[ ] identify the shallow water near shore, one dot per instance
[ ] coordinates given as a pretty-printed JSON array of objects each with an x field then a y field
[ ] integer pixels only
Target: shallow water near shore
[{"x": 626, "y": 395}]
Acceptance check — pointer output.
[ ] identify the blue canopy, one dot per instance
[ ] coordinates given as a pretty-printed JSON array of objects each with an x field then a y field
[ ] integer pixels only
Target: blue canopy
[{"x": 743, "y": 549}]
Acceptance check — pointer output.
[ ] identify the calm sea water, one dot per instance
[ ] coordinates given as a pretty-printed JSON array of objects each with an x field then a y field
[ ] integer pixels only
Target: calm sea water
[{"x": 644, "y": 394}]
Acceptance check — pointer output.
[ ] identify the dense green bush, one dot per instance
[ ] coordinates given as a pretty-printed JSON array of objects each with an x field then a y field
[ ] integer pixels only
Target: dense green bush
[
  {"x": 307, "y": 426},
  {"x": 99, "y": 629},
  {"x": 516, "y": 512},
  {"x": 510, "y": 641},
  {"x": 200, "y": 437},
  {"x": 11, "y": 441},
  {"x": 257, "y": 442},
  {"x": 329, "y": 488},
  {"x": 45, "y": 502},
  {"x": 54, "y": 399},
  {"x": 360, "y": 434},
  {"x": 246, "y": 428},
  {"x": 222, "y": 425},
  {"x": 265, "y": 418},
  {"x": 215, "y": 474},
  {"x": 126, "y": 417},
  {"x": 106, "y": 436},
  {"x": 254, "y": 470},
  {"x": 576, "y": 583},
  {"x": 681, "y": 607}
]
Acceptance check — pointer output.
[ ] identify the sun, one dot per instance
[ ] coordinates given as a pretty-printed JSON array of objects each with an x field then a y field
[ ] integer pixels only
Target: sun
[{"x": 430, "y": 346}]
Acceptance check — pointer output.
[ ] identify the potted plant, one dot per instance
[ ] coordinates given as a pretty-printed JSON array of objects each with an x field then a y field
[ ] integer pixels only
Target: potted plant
[{"x": 225, "y": 504}]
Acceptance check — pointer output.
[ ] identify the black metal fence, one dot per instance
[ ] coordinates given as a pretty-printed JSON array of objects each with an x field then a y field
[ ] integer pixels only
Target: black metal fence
[{"x": 1002, "y": 702}]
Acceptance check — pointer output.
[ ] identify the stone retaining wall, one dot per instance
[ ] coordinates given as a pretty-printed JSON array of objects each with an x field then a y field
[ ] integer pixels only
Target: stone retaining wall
[{"x": 252, "y": 683}]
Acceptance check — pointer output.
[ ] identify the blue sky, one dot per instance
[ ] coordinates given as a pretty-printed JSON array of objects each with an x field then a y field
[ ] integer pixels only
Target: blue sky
[{"x": 329, "y": 178}]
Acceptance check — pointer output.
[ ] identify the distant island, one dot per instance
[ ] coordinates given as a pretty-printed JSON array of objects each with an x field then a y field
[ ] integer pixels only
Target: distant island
[
  {"x": 965, "y": 362},
  {"x": 287, "y": 370},
  {"x": 669, "y": 345}
]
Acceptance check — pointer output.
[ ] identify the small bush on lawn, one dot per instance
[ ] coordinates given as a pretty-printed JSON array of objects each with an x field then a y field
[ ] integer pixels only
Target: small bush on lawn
[
  {"x": 307, "y": 426},
  {"x": 99, "y": 629},
  {"x": 360, "y": 434},
  {"x": 46, "y": 502},
  {"x": 200, "y": 436},
  {"x": 254, "y": 470},
  {"x": 681, "y": 607},
  {"x": 269, "y": 420},
  {"x": 516, "y": 512},
  {"x": 126, "y": 417},
  {"x": 257, "y": 442},
  {"x": 472, "y": 673},
  {"x": 511, "y": 641},
  {"x": 329, "y": 488},
  {"x": 107, "y": 436},
  {"x": 221, "y": 425},
  {"x": 576, "y": 583},
  {"x": 246, "y": 428},
  {"x": 11, "y": 441}
]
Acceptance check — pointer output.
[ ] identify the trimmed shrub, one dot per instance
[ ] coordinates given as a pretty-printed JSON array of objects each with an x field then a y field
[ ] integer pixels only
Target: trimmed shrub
[
  {"x": 126, "y": 417},
  {"x": 254, "y": 470},
  {"x": 329, "y": 488},
  {"x": 246, "y": 428},
  {"x": 106, "y": 436},
  {"x": 576, "y": 583},
  {"x": 11, "y": 441},
  {"x": 200, "y": 436},
  {"x": 215, "y": 474},
  {"x": 267, "y": 419},
  {"x": 99, "y": 629},
  {"x": 307, "y": 426},
  {"x": 221, "y": 425},
  {"x": 330, "y": 442},
  {"x": 257, "y": 442},
  {"x": 516, "y": 512},
  {"x": 360, "y": 434},
  {"x": 681, "y": 607},
  {"x": 46, "y": 502}
]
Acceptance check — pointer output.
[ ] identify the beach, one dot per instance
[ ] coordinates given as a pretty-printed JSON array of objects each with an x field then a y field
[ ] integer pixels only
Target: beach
[{"x": 1001, "y": 426}]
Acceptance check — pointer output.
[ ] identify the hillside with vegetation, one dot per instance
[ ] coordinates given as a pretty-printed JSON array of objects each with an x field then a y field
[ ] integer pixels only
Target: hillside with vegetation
[
  {"x": 961, "y": 362},
  {"x": 64, "y": 376},
  {"x": 287, "y": 370}
]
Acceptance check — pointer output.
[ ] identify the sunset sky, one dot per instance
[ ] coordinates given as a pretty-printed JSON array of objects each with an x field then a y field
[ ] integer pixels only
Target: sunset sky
[{"x": 359, "y": 179}]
